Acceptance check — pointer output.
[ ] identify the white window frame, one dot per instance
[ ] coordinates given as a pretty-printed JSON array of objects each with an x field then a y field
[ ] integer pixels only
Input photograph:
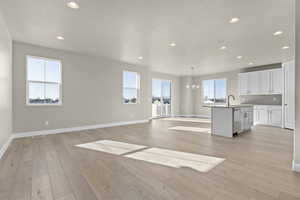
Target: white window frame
[
  {"x": 45, "y": 82},
  {"x": 214, "y": 91},
  {"x": 161, "y": 100},
  {"x": 138, "y": 87}
]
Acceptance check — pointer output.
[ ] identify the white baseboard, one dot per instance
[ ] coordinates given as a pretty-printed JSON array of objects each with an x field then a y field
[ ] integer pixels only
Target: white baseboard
[
  {"x": 296, "y": 166},
  {"x": 5, "y": 146},
  {"x": 73, "y": 129}
]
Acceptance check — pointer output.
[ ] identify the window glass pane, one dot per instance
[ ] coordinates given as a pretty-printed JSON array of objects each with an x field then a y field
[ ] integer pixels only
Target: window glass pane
[
  {"x": 156, "y": 91},
  {"x": 130, "y": 95},
  {"x": 166, "y": 92},
  {"x": 130, "y": 79},
  {"x": 35, "y": 69},
  {"x": 208, "y": 91},
  {"x": 36, "y": 93},
  {"x": 52, "y": 68},
  {"x": 52, "y": 93},
  {"x": 221, "y": 92}
]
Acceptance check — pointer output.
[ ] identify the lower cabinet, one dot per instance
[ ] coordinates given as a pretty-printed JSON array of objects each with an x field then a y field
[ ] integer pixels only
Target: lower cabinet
[
  {"x": 243, "y": 119},
  {"x": 260, "y": 116},
  {"x": 268, "y": 115},
  {"x": 247, "y": 118}
]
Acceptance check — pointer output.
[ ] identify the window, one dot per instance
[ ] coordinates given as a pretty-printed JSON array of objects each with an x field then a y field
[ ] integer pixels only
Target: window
[
  {"x": 131, "y": 87},
  {"x": 214, "y": 91},
  {"x": 43, "y": 81}
]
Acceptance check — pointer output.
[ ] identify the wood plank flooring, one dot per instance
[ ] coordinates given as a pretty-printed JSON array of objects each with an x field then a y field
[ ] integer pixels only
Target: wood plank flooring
[{"x": 257, "y": 166}]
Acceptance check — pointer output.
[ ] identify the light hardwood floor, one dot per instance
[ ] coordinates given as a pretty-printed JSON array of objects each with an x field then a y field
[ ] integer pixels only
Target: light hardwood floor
[{"x": 257, "y": 166}]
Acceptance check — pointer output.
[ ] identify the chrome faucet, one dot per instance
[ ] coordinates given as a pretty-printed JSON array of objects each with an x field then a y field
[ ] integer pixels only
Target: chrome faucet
[{"x": 228, "y": 99}]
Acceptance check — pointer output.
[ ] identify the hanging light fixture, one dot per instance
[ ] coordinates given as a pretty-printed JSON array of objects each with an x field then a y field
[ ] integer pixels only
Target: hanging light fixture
[{"x": 192, "y": 85}]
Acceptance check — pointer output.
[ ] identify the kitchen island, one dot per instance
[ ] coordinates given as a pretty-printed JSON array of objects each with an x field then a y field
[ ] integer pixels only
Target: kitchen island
[{"x": 229, "y": 121}]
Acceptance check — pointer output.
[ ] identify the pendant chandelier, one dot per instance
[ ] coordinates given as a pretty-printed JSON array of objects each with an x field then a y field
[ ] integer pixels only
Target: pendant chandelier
[{"x": 192, "y": 84}]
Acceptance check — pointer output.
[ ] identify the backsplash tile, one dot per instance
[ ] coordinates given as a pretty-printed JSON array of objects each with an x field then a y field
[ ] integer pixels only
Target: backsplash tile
[{"x": 261, "y": 99}]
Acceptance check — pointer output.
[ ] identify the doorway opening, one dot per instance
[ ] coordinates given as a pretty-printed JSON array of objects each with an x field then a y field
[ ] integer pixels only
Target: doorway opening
[{"x": 161, "y": 98}]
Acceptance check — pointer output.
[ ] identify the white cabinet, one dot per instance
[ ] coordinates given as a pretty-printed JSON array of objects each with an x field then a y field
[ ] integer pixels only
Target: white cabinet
[
  {"x": 264, "y": 81},
  {"x": 243, "y": 84},
  {"x": 275, "y": 116},
  {"x": 276, "y": 81},
  {"x": 255, "y": 116},
  {"x": 268, "y": 115},
  {"x": 289, "y": 94},
  {"x": 229, "y": 121},
  {"x": 243, "y": 119},
  {"x": 261, "y": 116},
  {"x": 261, "y": 82},
  {"x": 253, "y": 83}
]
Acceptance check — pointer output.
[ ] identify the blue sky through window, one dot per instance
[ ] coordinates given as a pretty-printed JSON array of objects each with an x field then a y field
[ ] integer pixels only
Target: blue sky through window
[
  {"x": 214, "y": 91},
  {"x": 130, "y": 86},
  {"x": 161, "y": 89},
  {"x": 156, "y": 88},
  {"x": 44, "y": 77}
]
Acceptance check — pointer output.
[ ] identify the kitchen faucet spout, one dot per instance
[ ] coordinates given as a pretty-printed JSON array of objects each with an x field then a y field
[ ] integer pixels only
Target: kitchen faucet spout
[{"x": 228, "y": 99}]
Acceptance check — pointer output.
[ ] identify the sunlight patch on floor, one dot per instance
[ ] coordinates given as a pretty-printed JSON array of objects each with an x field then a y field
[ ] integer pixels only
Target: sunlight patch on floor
[
  {"x": 110, "y": 146},
  {"x": 177, "y": 159},
  {"x": 187, "y": 119},
  {"x": 165, "y": 157},
  {"x": 192, "y": 129}
]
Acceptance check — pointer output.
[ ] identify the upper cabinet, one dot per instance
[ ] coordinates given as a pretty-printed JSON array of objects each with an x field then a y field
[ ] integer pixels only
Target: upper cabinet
[
  {"x": 264, "y": 82},
  {"x": 243, "y": 84},
  {"x": 276, "y": 81},
  {"x": 253, "y": 83},
  {"x": 261, "y": 82}
]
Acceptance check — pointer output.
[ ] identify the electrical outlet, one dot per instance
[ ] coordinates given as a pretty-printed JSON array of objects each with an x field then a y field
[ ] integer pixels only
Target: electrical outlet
[{"x": 46, "y": 123}]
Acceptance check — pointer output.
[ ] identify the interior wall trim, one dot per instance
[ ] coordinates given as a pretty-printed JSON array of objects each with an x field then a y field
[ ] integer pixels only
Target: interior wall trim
[
  {"x": 73, "y": 129},
  {"x": 296, "y": 166},
  {"x": 4, "y": 148}
]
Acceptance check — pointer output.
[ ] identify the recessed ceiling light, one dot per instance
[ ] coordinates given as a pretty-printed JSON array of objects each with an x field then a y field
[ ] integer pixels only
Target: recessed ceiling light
[
  {"x": 73, "y": 5},
  {"x": 250, "y": 63},
  {"x": 285, "y": 47},
  {"x": 277, "y": 33},
  {"x": 239, "y": 57},
  {"x": 234, "y": 20},
  {"x": 172, "y": 44},
  {"x": 223, "y": 48},
  {"x": 60, "y": 37},
  {"x": 140, "y": 57}
]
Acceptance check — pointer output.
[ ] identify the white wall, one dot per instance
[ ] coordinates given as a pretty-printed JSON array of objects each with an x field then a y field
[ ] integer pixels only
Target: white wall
[
  {"x": 297, "y": 73},
  {"x": 186, "y": 99},
  {"x": 92, "y": 92},
  {"x": 5, "y": 84}
]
